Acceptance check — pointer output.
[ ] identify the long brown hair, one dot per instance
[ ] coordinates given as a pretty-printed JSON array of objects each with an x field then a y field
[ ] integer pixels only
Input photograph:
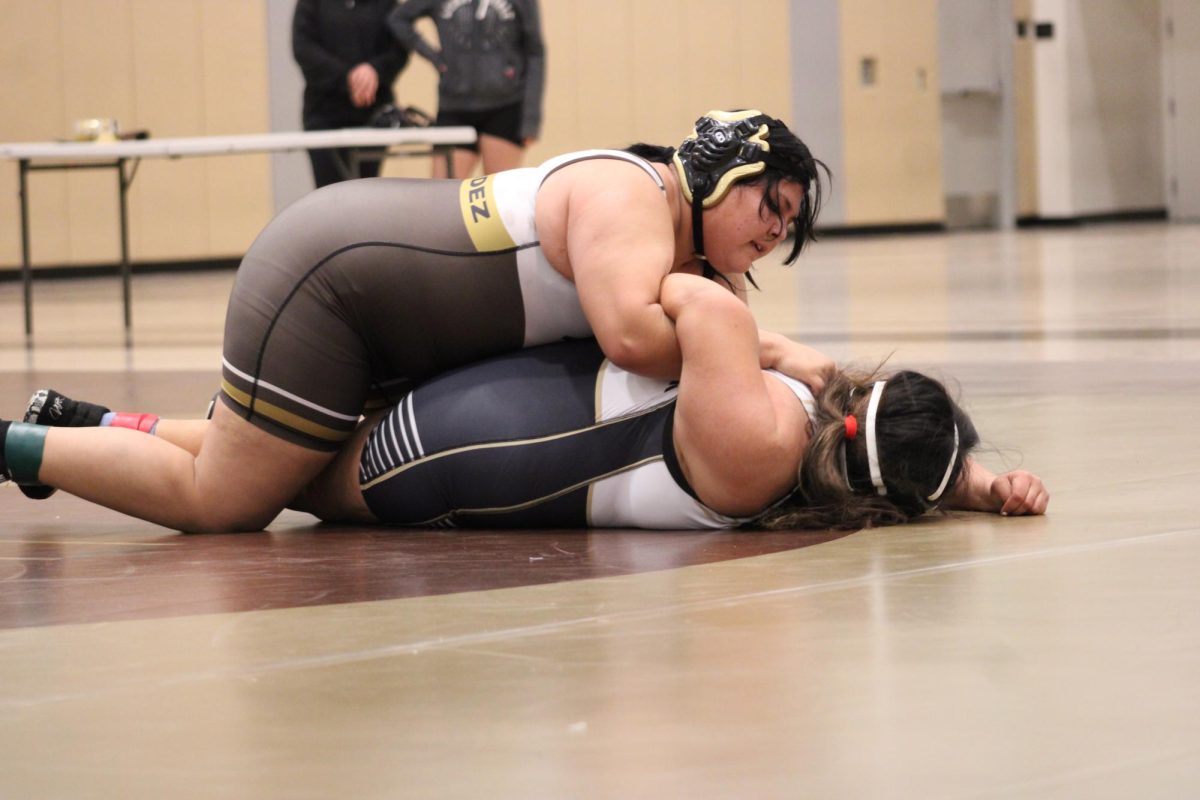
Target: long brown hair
[{"x": 915, "y": 432}]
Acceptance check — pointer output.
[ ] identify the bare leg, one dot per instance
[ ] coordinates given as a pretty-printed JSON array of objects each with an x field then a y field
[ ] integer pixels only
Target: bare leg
[
  {"x": 242, "y": 478},
  {"x": 499, "y": 154},
  {"x": 464, "y": 164},
  {"x": 334, "y": 495},
  {"x": 185, "y": 433}
]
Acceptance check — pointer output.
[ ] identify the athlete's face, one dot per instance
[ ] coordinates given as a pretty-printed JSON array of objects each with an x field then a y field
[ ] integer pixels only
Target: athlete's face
[{"x": 749, "y": 223}]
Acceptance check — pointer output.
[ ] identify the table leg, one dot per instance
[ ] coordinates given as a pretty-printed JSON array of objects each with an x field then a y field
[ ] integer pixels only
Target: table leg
[
  {"x": 125, "y": 267},
  {"x": 26, "y": 266},
  {"x": 357, "y": 156}
]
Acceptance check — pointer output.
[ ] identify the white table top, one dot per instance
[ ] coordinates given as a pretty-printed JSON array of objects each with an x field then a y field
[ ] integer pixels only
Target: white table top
[{"x": 243, "y": 143}]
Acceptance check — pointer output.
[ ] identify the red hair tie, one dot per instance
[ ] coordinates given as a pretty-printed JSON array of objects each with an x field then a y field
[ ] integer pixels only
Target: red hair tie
[{"x": 851, "y": 427}]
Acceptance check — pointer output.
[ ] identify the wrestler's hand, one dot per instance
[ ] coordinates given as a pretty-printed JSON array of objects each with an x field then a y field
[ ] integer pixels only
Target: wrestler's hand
[
  {"x": 795, "y": 360},
  {"x": 1019, "y": 492},
  {"x": 363, "y": 82}
]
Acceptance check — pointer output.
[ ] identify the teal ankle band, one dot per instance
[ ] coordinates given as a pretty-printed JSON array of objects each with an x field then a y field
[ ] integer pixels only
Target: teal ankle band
[{"x": 23, "y": 451}]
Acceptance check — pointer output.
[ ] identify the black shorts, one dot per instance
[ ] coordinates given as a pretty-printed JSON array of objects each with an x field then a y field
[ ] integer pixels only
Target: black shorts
[{"x": 503, "y": 123}]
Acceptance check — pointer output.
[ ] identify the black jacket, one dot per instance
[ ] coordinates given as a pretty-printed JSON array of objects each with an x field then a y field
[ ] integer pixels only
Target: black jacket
[
  {"x": 491, "y": 55},
  {"x": 332, "y": 37}
]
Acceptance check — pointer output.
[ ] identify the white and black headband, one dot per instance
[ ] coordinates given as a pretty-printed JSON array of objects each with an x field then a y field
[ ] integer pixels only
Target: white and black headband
[{"x": 873, "y": 465}]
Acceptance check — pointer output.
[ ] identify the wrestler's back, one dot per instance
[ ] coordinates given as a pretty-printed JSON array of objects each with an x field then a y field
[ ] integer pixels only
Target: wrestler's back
[
  {"x": 393, "y": 259},
  {"x": 553, "y": 436}
]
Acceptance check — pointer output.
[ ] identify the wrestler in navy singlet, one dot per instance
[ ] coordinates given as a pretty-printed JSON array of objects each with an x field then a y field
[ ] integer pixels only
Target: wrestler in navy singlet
[
  {"x": 366, "y": 287},
  {"x": 553, "y": 436}
]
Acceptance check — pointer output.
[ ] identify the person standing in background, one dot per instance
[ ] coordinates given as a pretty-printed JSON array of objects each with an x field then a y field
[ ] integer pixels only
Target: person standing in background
[
  {"x": 492, "y": 64},
  {"x": 350, "y": 61}
]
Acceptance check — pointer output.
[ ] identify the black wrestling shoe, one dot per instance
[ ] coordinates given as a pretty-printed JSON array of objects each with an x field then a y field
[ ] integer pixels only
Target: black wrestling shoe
[
  {"x": 36, "y": 491},
  {"x": 48, "y": 407}
]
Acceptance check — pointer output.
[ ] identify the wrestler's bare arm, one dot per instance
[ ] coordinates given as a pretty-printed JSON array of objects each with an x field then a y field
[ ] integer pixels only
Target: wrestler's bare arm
[
  {"x": 1013, "y": 493},
  {"x": 608, "y": 228},
  {"x": 739, "y": 433}
]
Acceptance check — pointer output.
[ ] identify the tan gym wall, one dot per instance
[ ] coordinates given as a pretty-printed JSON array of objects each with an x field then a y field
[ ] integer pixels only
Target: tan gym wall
[
  {"x": 618, "y": 72},
  {"x": 174, "y": 67}
]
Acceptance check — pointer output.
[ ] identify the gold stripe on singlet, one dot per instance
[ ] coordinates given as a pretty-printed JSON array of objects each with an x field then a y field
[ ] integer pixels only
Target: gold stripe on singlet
[
  {"x": 283, "y": 416},
  {"x": 477, "y": 198}
]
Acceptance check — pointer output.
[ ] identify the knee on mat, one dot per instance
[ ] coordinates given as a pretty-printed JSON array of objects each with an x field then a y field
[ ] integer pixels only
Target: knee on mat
[{"x": 226, "y": 521}]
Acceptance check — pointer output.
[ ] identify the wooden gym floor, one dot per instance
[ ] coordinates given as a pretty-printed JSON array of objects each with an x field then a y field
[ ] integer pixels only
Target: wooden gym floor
[{"x": 963, "y": 657}]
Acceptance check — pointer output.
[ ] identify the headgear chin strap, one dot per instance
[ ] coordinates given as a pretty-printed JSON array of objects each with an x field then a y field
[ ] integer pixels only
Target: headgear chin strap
[{"x": 724, "y": 148}]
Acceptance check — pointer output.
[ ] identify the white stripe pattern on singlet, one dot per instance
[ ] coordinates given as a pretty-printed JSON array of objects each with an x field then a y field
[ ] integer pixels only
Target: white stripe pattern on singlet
[{"x": 393, "y": 448}]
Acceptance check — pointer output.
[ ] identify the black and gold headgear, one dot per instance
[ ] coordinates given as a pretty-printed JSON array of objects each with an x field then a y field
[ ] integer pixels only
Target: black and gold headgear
[{"x": 723, "y": 148}]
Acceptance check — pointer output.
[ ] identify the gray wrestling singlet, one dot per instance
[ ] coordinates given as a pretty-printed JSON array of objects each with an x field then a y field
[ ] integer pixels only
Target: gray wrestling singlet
[{"x": 362, "y": 289}]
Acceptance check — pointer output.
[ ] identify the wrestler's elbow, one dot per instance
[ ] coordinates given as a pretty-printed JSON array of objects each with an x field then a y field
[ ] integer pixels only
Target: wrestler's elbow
[
  {"x": 715, "y": 313},
  {"x": 628, "y": 352},
  {"x": 643, "y": 354}
]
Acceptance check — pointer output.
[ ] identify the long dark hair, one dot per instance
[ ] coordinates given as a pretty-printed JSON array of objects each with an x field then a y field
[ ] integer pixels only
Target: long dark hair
[
  {"x": 915, "y": 431},
  {"x": 790, "y": 160}
]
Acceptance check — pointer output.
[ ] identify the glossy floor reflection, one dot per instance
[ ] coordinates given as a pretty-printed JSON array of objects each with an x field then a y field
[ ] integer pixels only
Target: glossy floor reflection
[{"x": 967, "y": 656}]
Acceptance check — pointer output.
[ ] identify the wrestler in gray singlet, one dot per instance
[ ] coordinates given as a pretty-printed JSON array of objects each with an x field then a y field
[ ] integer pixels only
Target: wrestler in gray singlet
[
  {"x": 366, "y": 287},
  {"x": 553, "y": 436}
]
